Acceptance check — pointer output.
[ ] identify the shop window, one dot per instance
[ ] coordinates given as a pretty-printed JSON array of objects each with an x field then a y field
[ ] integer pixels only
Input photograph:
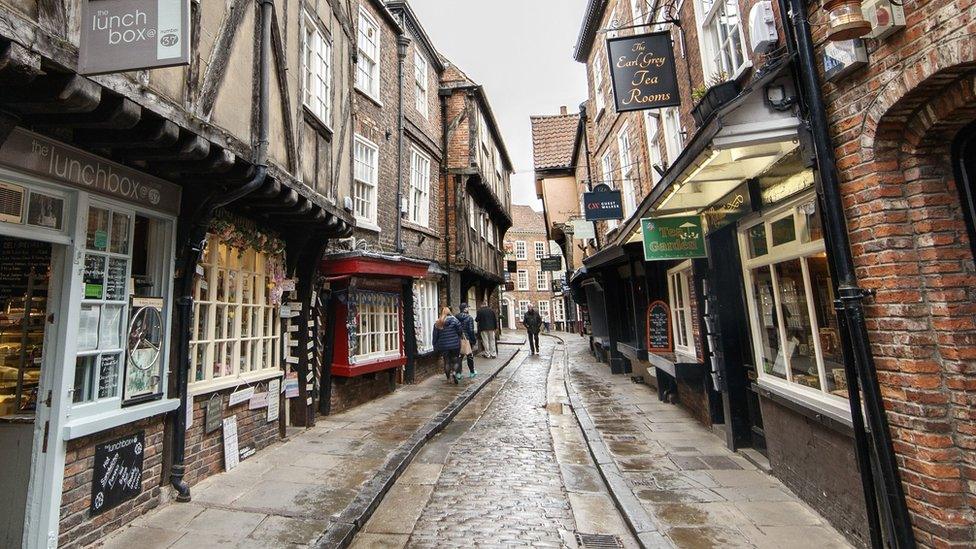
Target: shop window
[
  {"x": 679, "y": 295},
  {"x": 541, "y": 280},
  {"x": 790, "y": 298},
  {"x": 318, "y": 71},
  {"x": 521, "y": 253},
  {"x": 523, "y": 279},
  {"x": 368, "y": 62},
  {"x": 121, "y": 342},
  {"x": 425, "y": 307},
  {"x": 366, "y": 163},
  {"x": 419, "y": 188},
  {"x": 421, "y": 101},
  {"x": 237, "y": 324},
  {"x": 377, "y": 321}
]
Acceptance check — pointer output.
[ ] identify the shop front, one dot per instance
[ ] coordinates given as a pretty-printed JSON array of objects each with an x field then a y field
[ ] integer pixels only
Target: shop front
[
  {"x": 86, "y": 290},
  {"x": 374, "y": 324}
]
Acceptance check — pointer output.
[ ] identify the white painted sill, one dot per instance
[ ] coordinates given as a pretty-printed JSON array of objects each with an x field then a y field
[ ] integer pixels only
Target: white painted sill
[
  {"x": 87, "y": 425},
  {"x": 229, "y": 383},
  {"x": 834, "y": 411}
]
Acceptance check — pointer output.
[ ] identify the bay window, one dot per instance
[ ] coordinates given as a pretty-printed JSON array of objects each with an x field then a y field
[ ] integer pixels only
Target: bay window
[
  {"x": 377, "y": 327},
  {"x": 317, "y": 58},
  {"x": 790, "y": 297},
  {"x": 680, "y": 286},
  {"x": 368, "y": 62},
  {"x": 419, "y": 188},
  {"x": 236, "y": 316},
  {"x": 425, "y": 311},
  {"x": 366, "y": 168}
]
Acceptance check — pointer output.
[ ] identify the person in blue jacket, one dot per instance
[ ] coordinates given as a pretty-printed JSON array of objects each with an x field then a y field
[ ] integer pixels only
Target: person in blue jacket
[
  {"x": 467, "y": 328},
  {"x": 447, "y": 341}
]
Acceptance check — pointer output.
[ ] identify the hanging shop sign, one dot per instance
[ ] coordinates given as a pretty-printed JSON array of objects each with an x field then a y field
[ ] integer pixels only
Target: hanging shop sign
[
  {"x": 118, "y": 472},
  {"x": 679, "y": 237},
  {"x": 603, "y": 203},
  {"x": 552, "y": 263},
  {"x": 643, "y": 73},
  {"x": 659, "y": 327},
  {"x": 729, "y": 208},
  {"x": 126, "y": 35},
  {"x": 50, "y": 159},
  {"x": 583, "y": 230},
  {"x": 511, "y": 266}
]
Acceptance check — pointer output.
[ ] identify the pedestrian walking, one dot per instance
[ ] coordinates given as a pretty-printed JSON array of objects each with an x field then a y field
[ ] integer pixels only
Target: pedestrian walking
[
  {"x": 532, "y": 321},
  {"x": 487, "y": 327},
  {"x": 447, "y": 342},
  {"x": 468, "y": 340}
]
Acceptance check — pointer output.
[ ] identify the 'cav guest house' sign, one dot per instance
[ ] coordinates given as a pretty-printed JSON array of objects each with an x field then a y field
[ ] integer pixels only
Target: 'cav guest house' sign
[{"x": 642, "y": 68}]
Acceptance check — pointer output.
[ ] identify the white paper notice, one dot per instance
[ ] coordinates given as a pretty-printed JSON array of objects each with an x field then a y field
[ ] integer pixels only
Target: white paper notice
[
  {"x": 274, "y": 394},
  {"x": 189, "y": 412},
  {"x": 231, "y": 455},
  {"x": 238, "y": 397}
]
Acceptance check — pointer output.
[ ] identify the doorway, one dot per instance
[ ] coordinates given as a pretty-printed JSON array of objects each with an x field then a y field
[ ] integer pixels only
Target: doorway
[
  {"x": 964, "y": 166},
  {"x": 26, "y": 308}
]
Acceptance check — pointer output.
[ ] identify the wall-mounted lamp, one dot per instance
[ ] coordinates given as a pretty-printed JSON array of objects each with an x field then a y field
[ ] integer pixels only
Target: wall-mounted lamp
[{"x": 778, "y": 98}]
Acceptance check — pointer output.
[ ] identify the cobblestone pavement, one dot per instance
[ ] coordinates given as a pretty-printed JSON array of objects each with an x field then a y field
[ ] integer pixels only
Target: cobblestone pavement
[
  {"x": 700, "y": 494},
  {"x": 500, "y": 484}
]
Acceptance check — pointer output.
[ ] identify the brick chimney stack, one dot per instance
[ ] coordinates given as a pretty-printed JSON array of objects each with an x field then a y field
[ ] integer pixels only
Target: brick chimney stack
[{"x": 562, "y": 110}]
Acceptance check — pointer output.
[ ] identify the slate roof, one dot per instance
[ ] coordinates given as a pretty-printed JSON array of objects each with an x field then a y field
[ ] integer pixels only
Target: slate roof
[{"x": 553, "y": 138}]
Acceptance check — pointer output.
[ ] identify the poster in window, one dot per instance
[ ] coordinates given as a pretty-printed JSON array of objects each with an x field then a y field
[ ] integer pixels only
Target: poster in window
[
  {"x": 144, "y": 345},
  {"x": 88, "y": 327},
  {"x": 45, "y": 211},
  {"x": 117, "y": 475},
  {"x": 94, "y": 276},
  {"x": 115, "y": 283}
]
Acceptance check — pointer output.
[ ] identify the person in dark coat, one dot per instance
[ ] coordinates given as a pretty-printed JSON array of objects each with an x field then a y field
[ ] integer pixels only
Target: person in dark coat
[
  {"x": 487, "y": 328},
  {"x": 447, "y": 341},
  {"x": 467, "y": 328},
  {"x": 532, "y": 321}
]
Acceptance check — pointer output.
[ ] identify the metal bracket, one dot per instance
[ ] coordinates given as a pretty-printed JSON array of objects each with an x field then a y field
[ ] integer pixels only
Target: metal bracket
[{"x": 668, "y": 10}]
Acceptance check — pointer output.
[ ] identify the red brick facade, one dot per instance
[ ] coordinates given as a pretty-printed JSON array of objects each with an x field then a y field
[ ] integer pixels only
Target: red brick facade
[
  {"x": 529, "y": 229},
  {"x": 893, "y": 124}
]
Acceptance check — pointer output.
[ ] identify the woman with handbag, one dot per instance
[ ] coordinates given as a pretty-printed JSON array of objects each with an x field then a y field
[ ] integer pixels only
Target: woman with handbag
[
  {"x": 447, "y": 341},
  {"x": 469, "y": 340}
]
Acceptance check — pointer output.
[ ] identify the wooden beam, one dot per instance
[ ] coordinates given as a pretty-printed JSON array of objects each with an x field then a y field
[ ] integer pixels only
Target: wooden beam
[
  {"x": 18, "y": 65},
  {"x": 281, "y": 74},
  {"x": 53, "y": 93},
  {"x": 189, "y": 147},
  {"x": 113, "y": 113},
  {"x": 220, "y": 57},
  {"x": 147, "y": 133}
]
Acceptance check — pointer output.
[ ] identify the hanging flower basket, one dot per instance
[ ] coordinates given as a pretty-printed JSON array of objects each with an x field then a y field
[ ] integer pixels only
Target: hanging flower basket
[{"x": 716, "y": 96}]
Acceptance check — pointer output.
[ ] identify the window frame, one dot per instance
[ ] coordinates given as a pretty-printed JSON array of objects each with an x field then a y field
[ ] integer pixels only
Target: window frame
[
  {"x": 801, "y": 249},
  {"x": 369, "y": 84},
  {"x": 673, "y": 140},
  {"x": 319, "y": 104},
  {"x": 523, "y": 307},
  {"x": 421, "y": 76},
  {"x": 520, "y": 275},
  {"x": 652, "y": 127},
  {"x": 425, "y": 297},
  {"x": 370, "y": 219},
  {"x": 380, "y": 315},
  {"x": 711, "y": 46},
  {"x": 539, "y": 249},
  {"x": 626, "y": 167},
  {"x": 599, "y": 99},
  {"x": 682, "y": 278},
  {"x": 541, "y": 280},
  {"x": 419, "y": 212},
  {"x": 521, "y": 251},
  {"x": 544, "y": 311}
]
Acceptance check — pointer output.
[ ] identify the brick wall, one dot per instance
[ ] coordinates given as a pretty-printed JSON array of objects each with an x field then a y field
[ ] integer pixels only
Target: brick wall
[
  {"x": 77, "y": 527},
  {"x": 693, "y": 397},
  {"x": 892, "y": 124},
  {"x": 349, "y": 392}
]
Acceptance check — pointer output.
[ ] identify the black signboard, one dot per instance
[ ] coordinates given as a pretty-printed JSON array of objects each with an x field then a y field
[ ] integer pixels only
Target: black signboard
[
  {"x": 729, "y": 208},
  {"x": 659, "y": 327},
  {"x": 552, "y": 263},
  {"x": 511, "y": 266},
  {"x": 213, "y": 417},
  {"x": 642, "y": 69},
  {"x": 118, "y": 472},
  {"x": 21, "y": 258},
  {"x": 603, "y": 205}
]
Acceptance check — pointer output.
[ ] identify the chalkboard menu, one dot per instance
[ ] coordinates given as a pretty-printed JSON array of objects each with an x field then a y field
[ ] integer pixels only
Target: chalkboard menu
[
  {"x": 118, "y": 472},
  {"x": 20, "y": 258},
  {"x": 659, "y": 327}
]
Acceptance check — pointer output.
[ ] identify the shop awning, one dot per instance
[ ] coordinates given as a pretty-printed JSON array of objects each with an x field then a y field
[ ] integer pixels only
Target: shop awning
[
  {"x": 741, "y": 141},
  {"x": 373, "y": 264}
]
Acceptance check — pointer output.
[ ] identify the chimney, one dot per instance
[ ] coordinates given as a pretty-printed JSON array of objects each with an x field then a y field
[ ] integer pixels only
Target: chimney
[{"x": 562, "y": 110}]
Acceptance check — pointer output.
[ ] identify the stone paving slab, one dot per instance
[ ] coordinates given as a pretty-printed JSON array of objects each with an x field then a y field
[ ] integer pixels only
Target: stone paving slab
[
  {"x": 318, "y": 480},
  {"x": 697, "y": 493}
]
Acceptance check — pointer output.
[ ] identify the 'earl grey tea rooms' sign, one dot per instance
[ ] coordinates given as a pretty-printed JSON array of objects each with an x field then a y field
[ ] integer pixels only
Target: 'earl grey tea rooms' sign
[
  {"x": 643, "y": 73},
  {"x": 126, "y": 35}
]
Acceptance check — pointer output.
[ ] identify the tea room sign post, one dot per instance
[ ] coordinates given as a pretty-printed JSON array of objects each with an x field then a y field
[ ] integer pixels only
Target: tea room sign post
[{"x": 643, "y": 73}]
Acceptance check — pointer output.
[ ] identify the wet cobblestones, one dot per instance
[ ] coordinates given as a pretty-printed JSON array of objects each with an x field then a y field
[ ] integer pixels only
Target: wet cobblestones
[{"x": 501, "y": 485}]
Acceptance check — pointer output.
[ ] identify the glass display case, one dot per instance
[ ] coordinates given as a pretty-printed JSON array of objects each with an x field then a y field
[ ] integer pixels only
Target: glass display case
[{"x": 23, "y": 317}]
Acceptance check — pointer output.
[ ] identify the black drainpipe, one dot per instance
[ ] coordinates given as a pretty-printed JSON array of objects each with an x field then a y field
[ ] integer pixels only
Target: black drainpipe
[
  {"x": 444, "y": 95},
  {"x": 195, "y": 237},
  {"x": 589, "y": 173},
  {"x": 402, "y": 44},
  {"x": 850, "y": 309}
]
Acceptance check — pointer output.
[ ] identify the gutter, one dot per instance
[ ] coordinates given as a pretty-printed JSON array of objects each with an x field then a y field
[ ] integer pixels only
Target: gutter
[{"x": 195, "y": 239}]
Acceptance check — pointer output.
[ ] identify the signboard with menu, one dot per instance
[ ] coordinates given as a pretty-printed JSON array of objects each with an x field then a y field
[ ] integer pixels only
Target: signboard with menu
[
  {"x": 659, "y": 327},
  {"x": 643, "y": 73}
]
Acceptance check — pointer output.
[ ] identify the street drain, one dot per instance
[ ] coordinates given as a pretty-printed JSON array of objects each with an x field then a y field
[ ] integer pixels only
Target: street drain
[{"x": 598, "y": 540}]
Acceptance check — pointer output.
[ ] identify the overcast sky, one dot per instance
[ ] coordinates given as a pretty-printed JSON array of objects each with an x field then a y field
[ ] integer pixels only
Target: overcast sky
[{"x": 521, "y": 51}]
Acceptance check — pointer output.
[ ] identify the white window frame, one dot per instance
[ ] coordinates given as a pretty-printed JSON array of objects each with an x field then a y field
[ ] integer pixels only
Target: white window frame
[
  {"x": 379, "y": 322},
  {"x": 652, "y": 126},
  {"x": 801, "y": 249},
  {"x": 672, "y": 133},
  {"x": 558, "y": 310},
  {"x": 425, "y": 309},
  {"x": 420, "y": 83},
  {"x": 680, "y": 279},
  {"x": 540, "y": 249},
  {"x": 521, "y": 252},
  {"x": 522, "y": 280},
  {"x": 544, "y": 312},
  {"x": 523, "y": 307},
  {"x": 541, "y": 280},
  {"x": 626, "y": 167},
  {"x": 419, "y": 200},
  {"x": 365, "y": 177},
  {"x": 598, "y": 82},
  {"x": 317, "y": 73},
  {"x": 264, "y": 337},
  {"x": 606, "y": 168},
  {"x": 716, "y": 53},
  {"x": 369, "y": 59}
]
